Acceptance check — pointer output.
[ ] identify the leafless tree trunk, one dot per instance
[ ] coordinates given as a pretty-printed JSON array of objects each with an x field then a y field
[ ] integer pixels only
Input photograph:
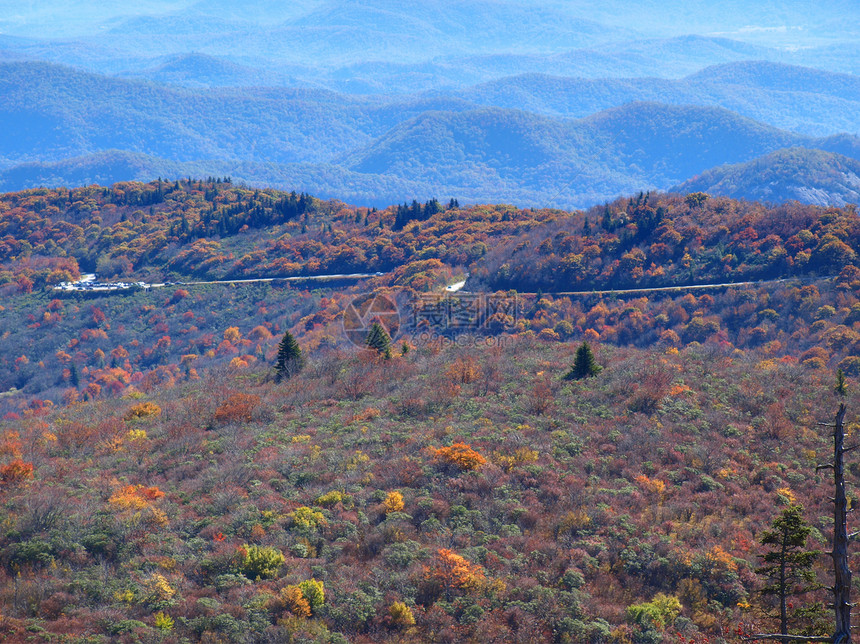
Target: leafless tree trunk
[{"x": 842, "y": 574}]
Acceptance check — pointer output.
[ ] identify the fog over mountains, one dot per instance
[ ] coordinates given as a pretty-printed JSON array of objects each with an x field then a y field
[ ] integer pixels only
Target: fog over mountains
[{"x": 376, "y": 101}]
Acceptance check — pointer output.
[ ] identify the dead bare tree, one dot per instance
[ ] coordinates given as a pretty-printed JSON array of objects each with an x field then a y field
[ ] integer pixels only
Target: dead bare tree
[{"x": 841, "y": 571}]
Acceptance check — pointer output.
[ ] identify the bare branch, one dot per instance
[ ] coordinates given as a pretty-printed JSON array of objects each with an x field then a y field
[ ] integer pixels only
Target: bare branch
[{"x": 789, "y": 638}]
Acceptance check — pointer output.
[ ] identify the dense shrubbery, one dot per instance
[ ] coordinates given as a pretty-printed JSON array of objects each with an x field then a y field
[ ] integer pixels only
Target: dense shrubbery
[{"x": 599, "y": 520}]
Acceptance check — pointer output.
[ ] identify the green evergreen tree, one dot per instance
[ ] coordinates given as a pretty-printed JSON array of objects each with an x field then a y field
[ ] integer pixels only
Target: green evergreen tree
[
  {"x": 788, "y": 565},
  {"x": 74, "y": 377},
  {"x": 378, "y": 339},
  {"x": 290, "y": 359},
  {"x": 841, "y": 387},
  {"x": 584, "y": 365}
]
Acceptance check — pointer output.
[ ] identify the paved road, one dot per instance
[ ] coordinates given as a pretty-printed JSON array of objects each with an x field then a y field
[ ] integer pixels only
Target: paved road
[
  {"x": 655, "y": 289},
  {"x": 90, "y": 285},
  {"x": 278, "y": 279},
  {"x": 689, "y": 287}
]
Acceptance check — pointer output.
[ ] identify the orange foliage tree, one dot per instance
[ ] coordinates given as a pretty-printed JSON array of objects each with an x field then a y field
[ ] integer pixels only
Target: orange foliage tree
[
  {"x": 461, "y": 455},
  {"x": 238, "y": 407},
  {"x": 16, "y": 471},
  {"x": 453, "y": 573}
]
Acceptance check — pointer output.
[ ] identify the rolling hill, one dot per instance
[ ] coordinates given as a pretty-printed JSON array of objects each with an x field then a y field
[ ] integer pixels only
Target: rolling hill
[
  {"x": 54, "y": 112},
  {"x": 201, "y": 70},
  {"x": 108, "y": 167},
  {"x": 809, "y": 176},
  {"x": 639, "y": 146}
]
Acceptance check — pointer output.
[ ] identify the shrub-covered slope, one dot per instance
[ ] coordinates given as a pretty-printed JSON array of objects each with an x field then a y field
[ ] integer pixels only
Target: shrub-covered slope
[
  {"x": 157, "y": 483},
  {"x": 454, "y": 495}
]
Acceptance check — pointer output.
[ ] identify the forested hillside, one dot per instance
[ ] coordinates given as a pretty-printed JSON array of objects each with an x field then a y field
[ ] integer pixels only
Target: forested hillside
[
  {"x": 461, "y": 482},
  {"x": 811, "y": 176},
  {"x": 79, "y": 344},
  {"x": 448, "y": 494}
]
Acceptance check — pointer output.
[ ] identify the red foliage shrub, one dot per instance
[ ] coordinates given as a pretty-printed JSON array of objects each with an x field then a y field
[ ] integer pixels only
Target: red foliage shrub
[{"x": 238, "y": 407}]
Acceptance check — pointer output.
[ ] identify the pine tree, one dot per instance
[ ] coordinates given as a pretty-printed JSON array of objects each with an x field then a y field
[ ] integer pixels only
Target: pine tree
[
  {"x": 378, "y": 339},
  {"x": 74, "y": 377},
  {"x": 584, "y": 365},
  {"x": 788, "y": 565},
  {"x": 290, "y": 359},
  {"x": 841, "y": 387}
]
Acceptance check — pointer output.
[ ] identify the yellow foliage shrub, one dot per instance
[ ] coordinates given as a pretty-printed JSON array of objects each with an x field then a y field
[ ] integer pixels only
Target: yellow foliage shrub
[
  {"x": 158, "y": 590},
  {"x": 521, "y": 456},
  {"x": 293, "y": 600},
  {"x": 135, "y": 497},
  {"x": 142, "y": 410},
  {"x": 136, "y": 435},
  {"x": 306, "y": 518},
  {"x": 401, "y": 615},
  {"x": 655, "y": 486},
  {"x": 573, "y": 522},
  {"x": 393, "y": 502},
  {"x": 330, "y": 499}
]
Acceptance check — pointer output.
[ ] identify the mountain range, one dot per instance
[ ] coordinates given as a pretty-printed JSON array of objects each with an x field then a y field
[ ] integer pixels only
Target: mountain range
[
  {"x": 570, "y": 142},
  {"x": 380, "y": 46},
  {"x": 374, "y": 101}
]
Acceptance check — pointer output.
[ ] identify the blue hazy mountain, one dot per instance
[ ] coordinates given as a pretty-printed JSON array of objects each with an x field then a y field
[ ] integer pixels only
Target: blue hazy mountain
[
  {"x": 336, "y": 38},
  {"x": 67, "y": 126},
  {"x": 795, "y": 98},
  {"x": 809, "y": 176}
]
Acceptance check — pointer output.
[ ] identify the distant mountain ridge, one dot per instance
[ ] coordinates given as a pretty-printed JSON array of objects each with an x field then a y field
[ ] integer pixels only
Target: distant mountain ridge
[
  {"x": 639, "y": 146},
  {"x": 201, "y": 70},
  {"x": 796, "y": 98},
  {"x": 383, "y": 46}
]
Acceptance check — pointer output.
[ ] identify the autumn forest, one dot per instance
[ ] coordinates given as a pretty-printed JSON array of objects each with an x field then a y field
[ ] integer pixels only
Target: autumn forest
[{"x": 466, "y": 474}]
